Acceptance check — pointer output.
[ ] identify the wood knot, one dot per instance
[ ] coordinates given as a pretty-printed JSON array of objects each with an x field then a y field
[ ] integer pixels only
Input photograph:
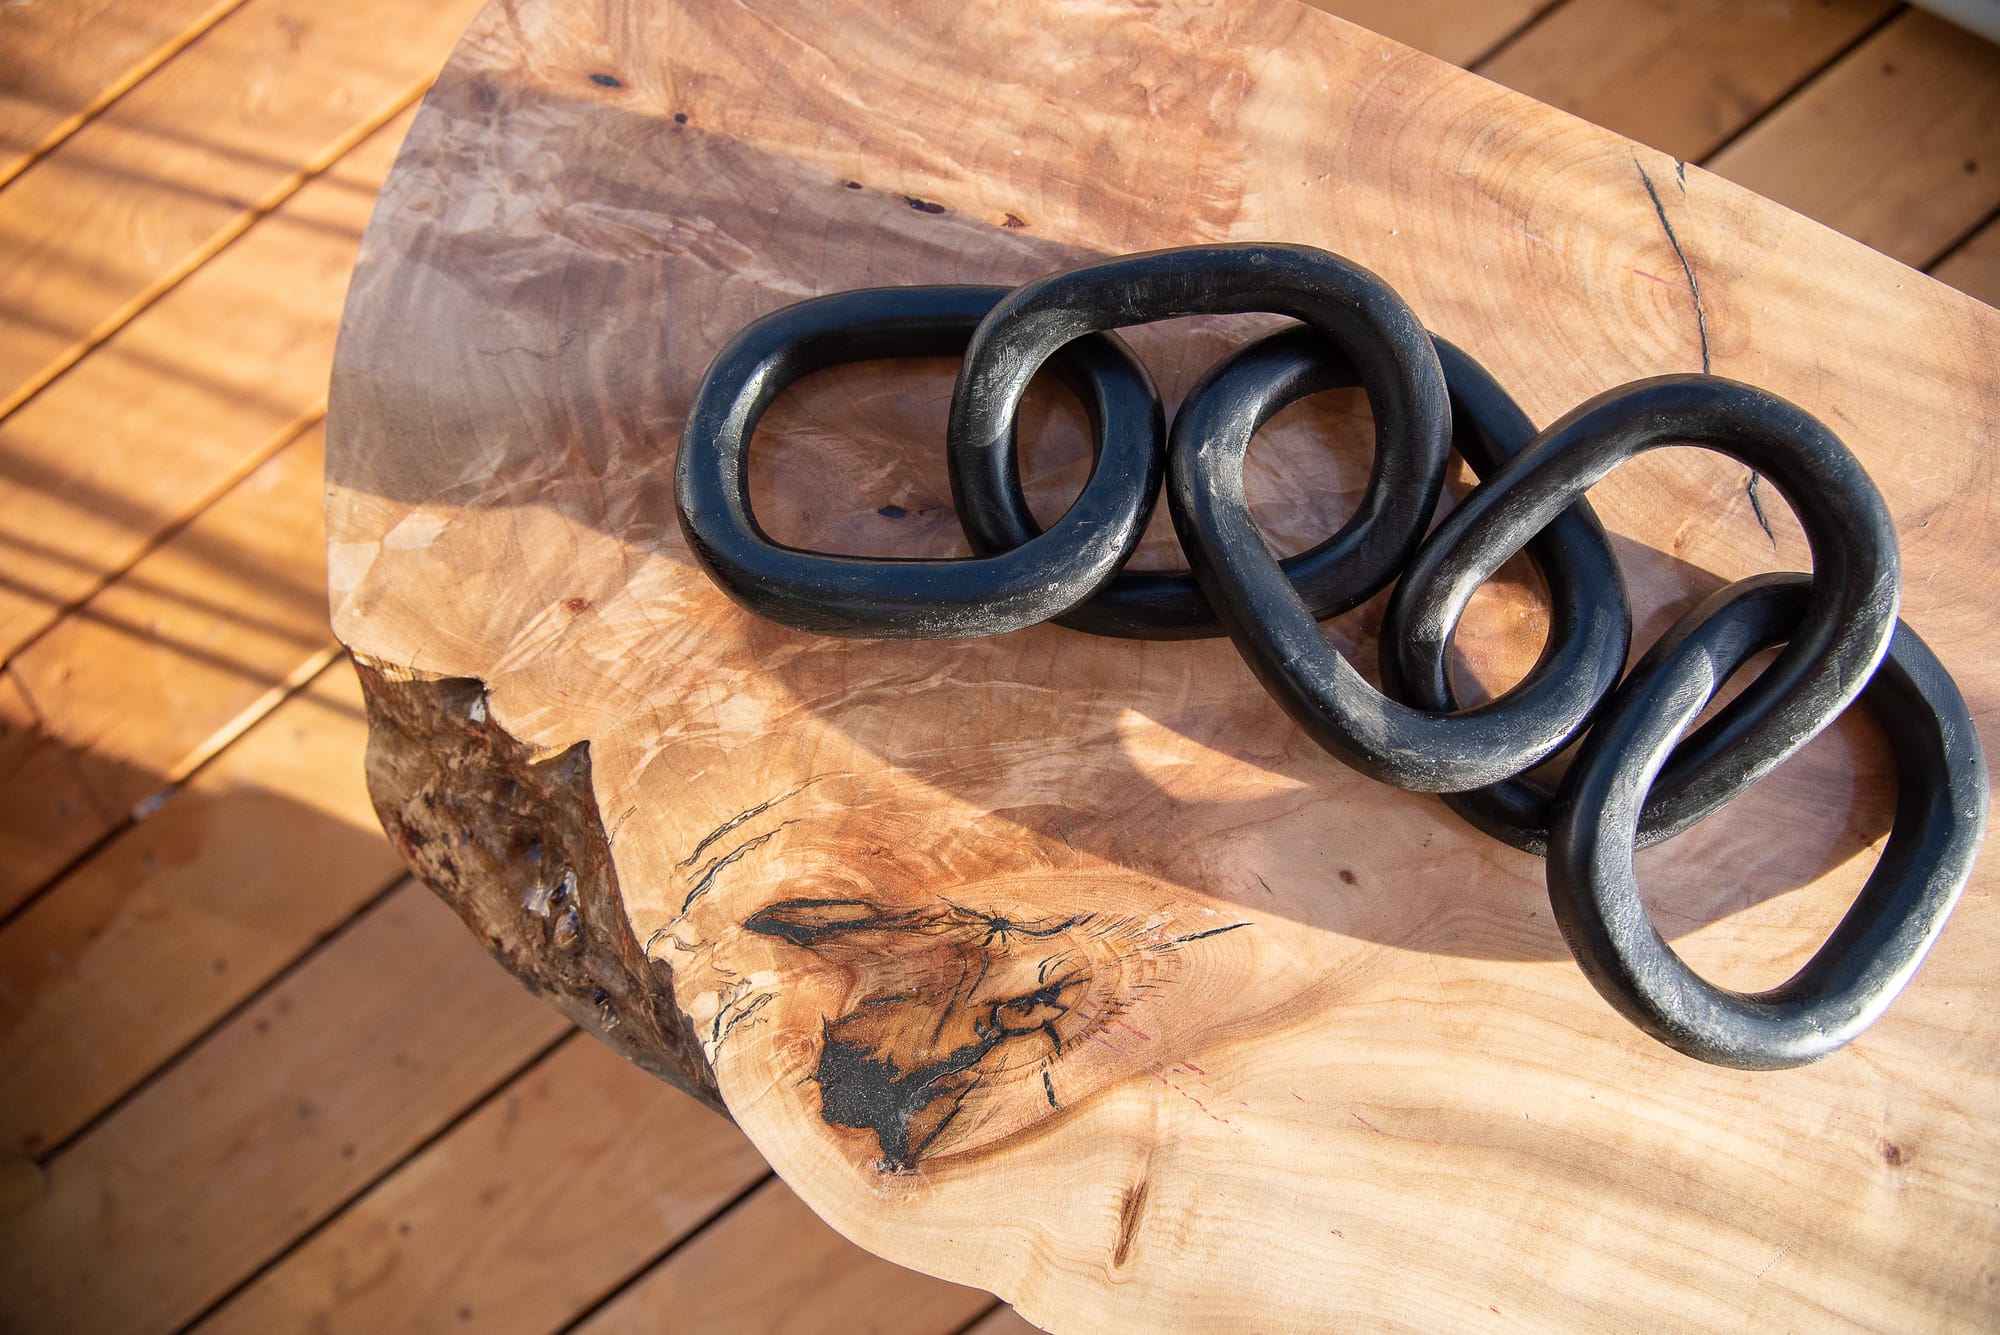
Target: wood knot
[{"x": 958, "y": 1022}]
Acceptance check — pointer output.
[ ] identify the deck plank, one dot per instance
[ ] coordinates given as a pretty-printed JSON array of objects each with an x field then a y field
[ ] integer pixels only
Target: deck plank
[
  {"x": 1460, "y": 31},
  {"x": 61, "y": 63},
  {"x": 182, "y": 917},
  {"x": 163, "y": 667},
  {"x": 1973, "y": 267},
  {"x": 144, "y": 193},
  {"x": 770, "y": 1265},
  {"x": 544, "y": 1199},
  {"x": 1897, "y": 145},
  {"x": 371, "y": 1046},
  {"x": 183, "y": 401},
  {"x": 1680, "y": 75}
]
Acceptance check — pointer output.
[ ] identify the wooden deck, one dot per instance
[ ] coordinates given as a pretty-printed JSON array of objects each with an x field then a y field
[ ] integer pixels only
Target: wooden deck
[{"x": 253, "y": 1078}]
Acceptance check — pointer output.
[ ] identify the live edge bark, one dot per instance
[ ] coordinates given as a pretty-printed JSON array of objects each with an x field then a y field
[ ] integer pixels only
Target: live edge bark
[{"x": 511, "y": 839}]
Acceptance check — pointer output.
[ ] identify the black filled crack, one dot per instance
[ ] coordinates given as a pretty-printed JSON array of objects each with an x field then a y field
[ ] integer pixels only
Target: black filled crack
[{"x": 1750, "y": 487}]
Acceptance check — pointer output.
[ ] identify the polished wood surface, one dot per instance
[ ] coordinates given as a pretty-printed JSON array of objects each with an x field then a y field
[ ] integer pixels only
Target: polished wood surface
[
  {"x": 1317, "y": 1053},
  {"x": 228, "y": 889}
]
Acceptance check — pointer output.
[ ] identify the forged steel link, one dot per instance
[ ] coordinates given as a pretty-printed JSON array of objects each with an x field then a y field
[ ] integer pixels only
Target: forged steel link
[{"x": 1635, "y": 778}]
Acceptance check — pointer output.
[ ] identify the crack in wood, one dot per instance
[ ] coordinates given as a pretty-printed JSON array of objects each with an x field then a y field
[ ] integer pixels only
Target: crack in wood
[
  {"x": 1750, "y": 486},
  {"x": 1694, "y": 285},
  {"x": 751, "y": 814},
  {"x": 707, "y": 878}
]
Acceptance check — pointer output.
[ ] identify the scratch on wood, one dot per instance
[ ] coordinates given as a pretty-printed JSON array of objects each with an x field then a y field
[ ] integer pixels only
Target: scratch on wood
[
  {"x": 1700, "y": 318},
  {"x": 1128, "y": 1221},
  {"x": 1202, "y": 936},
  {"x": 1774, "y": 1260},
  {"x": 1757, "y": 506}
]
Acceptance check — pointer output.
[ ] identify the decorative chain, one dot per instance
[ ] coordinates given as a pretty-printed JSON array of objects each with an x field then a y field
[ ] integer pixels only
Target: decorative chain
[{"x": 1638, "y": 776}]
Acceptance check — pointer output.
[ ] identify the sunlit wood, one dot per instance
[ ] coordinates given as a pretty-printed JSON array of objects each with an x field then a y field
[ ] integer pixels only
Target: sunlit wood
[{"x": 1314, "y": 1053}]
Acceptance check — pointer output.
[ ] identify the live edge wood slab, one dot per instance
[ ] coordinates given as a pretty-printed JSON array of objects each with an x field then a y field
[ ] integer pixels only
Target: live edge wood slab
[{"x": 1319, "y": 1057}]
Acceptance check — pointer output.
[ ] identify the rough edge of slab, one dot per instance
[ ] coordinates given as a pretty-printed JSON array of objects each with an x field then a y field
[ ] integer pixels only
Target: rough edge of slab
[{"x": 510, "y": 837}]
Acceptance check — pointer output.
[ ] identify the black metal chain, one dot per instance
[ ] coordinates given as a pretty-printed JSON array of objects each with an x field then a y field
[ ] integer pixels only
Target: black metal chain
[{"x": 1634, "y": 779}]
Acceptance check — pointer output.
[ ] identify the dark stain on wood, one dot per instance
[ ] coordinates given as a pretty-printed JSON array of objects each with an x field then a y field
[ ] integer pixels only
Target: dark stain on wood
[
  {"x": 946, "y": 999},
  {"x": 899, "y": 1060}
]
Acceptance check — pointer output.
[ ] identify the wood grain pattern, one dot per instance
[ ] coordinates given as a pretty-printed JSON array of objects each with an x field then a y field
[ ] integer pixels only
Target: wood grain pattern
[
  {"x": 145, "y": 192},
  {"x": 302, "y": 1098},
  {"x": 162, "y": 668},
  {"x": 1683, "y": 75},
  {"x": 476, "y": 1230},
  {"x": 1381, "y": 1049},
  {"x": 181, "y": 402},
  {"x": 61, "y": 63},
  {"x": 1897, "y": 145},
  {"x": 186, "y": 914},
  {"x": 769, "y": 1267}
]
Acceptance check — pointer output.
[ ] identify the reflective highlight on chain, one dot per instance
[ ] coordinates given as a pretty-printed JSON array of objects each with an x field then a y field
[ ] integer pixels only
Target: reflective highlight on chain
[{"x": 1638, "y": 775}]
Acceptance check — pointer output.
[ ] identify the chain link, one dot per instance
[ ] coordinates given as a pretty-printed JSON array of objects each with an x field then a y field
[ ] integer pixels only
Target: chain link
[{"x": 1638, "y": 775}]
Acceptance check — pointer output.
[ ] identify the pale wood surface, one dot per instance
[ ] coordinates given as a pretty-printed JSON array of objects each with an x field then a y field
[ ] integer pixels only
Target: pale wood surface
[
  {"x": 145, "y": 431},
  {"x": 1398, "y": 1047}
]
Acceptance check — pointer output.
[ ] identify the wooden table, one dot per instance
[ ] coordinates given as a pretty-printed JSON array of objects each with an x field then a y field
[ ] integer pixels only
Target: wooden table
[{"x": 1392, "y": 1100}]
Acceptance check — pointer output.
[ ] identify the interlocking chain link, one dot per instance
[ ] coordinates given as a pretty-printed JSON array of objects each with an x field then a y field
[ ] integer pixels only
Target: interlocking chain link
[{"x": 1639, "y": 775}]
